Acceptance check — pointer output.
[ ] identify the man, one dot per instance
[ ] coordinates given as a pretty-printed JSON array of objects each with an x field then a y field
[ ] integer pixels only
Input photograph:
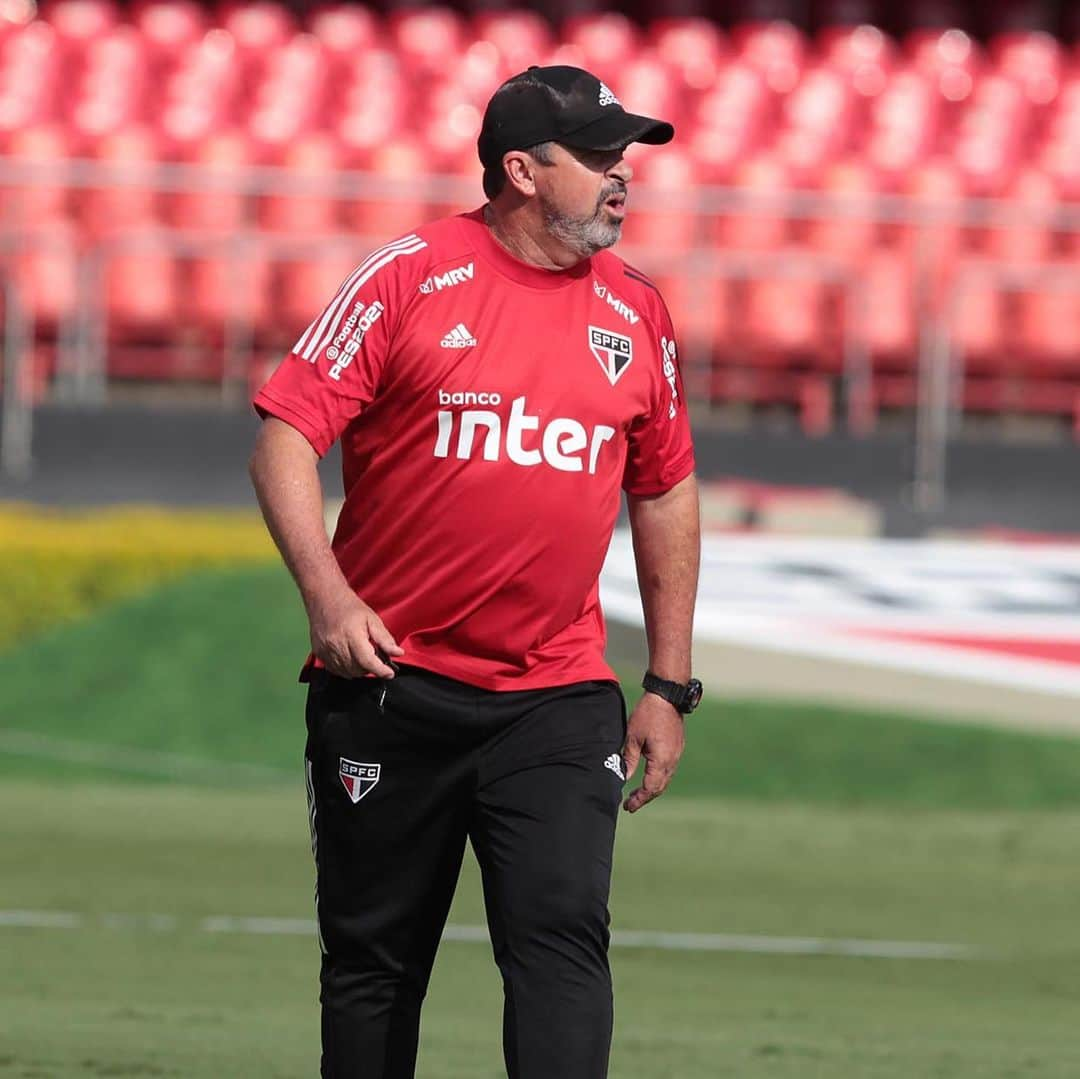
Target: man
[{"x": 495, "y": 378}]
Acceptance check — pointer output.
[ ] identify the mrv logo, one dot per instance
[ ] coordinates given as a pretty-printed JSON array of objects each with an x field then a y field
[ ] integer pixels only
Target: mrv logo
[
  {"x": 613, "y": 351},
  {"x": 563, "y": 443},
  {"x": 624, "y": 309},
  {"x": 437, "y": 282}
]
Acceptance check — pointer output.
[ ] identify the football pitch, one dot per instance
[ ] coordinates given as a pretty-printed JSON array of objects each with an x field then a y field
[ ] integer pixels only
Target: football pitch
[
  {"x": 825, "y": 894},
  {"x": 159, "y": 976}
]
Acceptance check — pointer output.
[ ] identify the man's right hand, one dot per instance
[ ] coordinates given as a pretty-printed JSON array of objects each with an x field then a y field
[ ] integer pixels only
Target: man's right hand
[{"x": 346, "y": 635}]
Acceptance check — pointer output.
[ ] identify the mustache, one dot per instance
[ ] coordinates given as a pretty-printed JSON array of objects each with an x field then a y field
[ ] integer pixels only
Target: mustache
[{"x": 610, "y": 192}]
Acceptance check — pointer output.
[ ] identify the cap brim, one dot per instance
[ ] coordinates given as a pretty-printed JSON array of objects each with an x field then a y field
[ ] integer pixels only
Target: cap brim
[{"x": 617, "y": 129}]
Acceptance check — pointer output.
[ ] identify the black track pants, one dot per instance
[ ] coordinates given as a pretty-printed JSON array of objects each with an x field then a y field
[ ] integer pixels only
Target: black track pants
[{"x": 396, "y": 784}]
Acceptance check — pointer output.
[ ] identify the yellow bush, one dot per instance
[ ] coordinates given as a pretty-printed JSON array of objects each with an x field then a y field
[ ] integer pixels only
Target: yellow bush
[{"x": 57, "y": 565}]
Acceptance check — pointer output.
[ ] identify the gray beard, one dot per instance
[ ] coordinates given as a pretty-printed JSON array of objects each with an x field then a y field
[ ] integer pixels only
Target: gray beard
[{"x": 582, "y": 235}]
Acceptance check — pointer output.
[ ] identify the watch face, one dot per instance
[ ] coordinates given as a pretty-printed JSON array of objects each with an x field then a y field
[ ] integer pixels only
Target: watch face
[{"x": 694, "y": 690}]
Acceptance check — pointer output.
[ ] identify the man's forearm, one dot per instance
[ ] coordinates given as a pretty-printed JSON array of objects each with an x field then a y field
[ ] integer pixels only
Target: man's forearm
[
  {"x": 286, "y": 480},
  {"x": 667, "y": 549}
]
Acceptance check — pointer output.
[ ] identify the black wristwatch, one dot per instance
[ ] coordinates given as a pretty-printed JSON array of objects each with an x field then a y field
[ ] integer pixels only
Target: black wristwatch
[{"x": 685, "y": 698}]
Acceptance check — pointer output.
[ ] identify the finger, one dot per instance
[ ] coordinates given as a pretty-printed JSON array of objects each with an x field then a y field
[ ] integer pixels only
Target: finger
[
  {"x": 653, "y": 784},
  {"x": 631, "y": 754},
  {"x": 368, "y": 662},
  {"x": 384, "y": 638}
]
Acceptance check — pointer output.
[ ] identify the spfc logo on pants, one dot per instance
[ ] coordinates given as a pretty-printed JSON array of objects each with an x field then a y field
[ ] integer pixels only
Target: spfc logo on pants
[
  {"x": 359, "y": 779},
  {"x": 613, "y": 351}
]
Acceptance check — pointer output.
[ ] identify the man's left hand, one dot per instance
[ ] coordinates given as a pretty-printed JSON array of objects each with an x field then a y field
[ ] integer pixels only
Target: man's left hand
[{"x": 656, "y": 732}]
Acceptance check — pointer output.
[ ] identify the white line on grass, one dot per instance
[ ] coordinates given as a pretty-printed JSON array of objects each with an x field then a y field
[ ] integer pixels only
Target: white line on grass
[
  {"x": 478, "y": 934},
  {"x": 133, "y": 761}
]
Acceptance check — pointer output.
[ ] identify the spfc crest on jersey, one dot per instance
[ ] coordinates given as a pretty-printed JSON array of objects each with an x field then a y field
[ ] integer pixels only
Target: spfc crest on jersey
[
  {"x": 358, "y": 779},
  {"x": 613, "y": 351}
]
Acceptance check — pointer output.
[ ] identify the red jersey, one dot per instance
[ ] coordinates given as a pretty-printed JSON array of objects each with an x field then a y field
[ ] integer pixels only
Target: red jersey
[{"x": 489, "y": 412}]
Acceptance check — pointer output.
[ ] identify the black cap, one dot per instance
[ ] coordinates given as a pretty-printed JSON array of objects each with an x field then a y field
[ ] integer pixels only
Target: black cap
[{"x": 561, "y": 104}]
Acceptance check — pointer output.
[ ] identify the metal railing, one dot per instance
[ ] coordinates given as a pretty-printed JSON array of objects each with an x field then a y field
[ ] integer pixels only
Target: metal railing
[{"x": 82, "y": 343}]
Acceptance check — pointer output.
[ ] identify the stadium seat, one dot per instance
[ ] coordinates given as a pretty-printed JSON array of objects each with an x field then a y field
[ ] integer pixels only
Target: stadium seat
[
  {"x": 31, "y": 63},
  {"x": 346, "y": 33},
  {"x": 230, "y": 283},
  {"x": 693, "y": 47},
  {"x": 849, "y": 234},
  {"x": 42, "y": 200},
  {"x": 674, "y": 227},
  {"x": 313, "y": 160},
  {"x": 45, "y": 271},
  {"x": 776, "y": 49},
  {"x": 222, "y": 155},
  {"x": 519, "y": 37},
  {"x": 130, "y": 205},
  {"x": 140, "y": 285},
  {"x": 1049, "y": 320},
  {"x": 78, "y": 22},
  {"x": 607, "y": 41},
  {"x": 1033, "y": 60},
  {"x": 763, "y": 224},
  {"x": 169, "y": 27},
  {"x": 425, "y": 37},
  {"x": 402, "y": 161},
  {"x": 1027, "y": 238}
]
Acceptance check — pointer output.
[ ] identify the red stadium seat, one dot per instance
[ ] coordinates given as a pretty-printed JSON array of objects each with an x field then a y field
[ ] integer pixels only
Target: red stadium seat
[
  {"x": 676, "y": 226},
  {"x": 904, "y": 122},
  {"x": 520, "y": 37},
  {"x": 134, "y": 153},
  {"x": 232, "y": 284},
  {"x": 1029, "y": 239},
  {"x": 346, "y": 32},
  {"x": 45, "y": 272},
  {"x": 776, "y": 49},
  {"x": 141, "y": 288},
  {"x": 223, "y": 155},
  {"x": 693, "y": 47},
  {"x": 977, "y": 312},
  {"x": 425, "y": 37},
  {"x": 645, "y": 85},
  {"x": 950, "y": 57},
  {"x": 607, "y": 41},
  {"x": 762, "y": 225},
  {"x": 43, "y": 200},
  {"x": 863, "y": 54},
  {"x": 784, "y": 314},
  {"x": 169, "y": 27},
  {"x": 308, "y": 285},
  {"x": 376, "y": 220},
  {"x": 78, "y": 22},
  {"x": 851, "y": 233},
  {"x": 731, "y": 119},
  {"x": 1034, "y": 60},
  {"x": 887, "y": 324},
  {"x": 314, "y": 160},
  {"x": 257, "y": 26},
  {"x": 31, "y": 64},
  {"x": 1049, "y": 321}
]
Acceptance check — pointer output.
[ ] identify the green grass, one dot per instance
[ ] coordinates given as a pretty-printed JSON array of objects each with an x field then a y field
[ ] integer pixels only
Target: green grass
[
  {"x": 206, "y": 669},
  {"x": 102, "y": 1001},
  {"x": 785, "y": 820}
]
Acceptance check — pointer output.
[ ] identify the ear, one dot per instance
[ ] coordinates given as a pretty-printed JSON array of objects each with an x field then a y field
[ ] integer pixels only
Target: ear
[{"x": 520, "y": 171}]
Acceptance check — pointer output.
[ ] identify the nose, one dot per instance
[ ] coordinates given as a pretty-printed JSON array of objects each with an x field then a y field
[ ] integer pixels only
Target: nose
[{"x": 621, "y": 170}]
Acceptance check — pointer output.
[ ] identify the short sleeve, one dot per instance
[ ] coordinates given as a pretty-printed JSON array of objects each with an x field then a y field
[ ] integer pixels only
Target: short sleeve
[
  {"x": 660, "y": 452},
  {"x": 333, "y": 371}
]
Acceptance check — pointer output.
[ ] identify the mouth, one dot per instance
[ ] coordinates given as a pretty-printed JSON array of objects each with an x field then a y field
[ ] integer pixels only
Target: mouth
[{"x": 616, "y": 204}]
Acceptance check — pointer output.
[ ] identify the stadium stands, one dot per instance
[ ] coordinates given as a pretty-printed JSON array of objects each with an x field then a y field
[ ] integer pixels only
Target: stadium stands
[{"x": 816, "y": 207}]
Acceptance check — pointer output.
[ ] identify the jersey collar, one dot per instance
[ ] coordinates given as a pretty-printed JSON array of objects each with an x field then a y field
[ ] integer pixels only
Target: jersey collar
[{"x": 521, "y": 272}]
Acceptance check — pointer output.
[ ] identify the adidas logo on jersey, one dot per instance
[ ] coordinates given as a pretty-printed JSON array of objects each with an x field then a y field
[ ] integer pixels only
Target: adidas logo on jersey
[
  {"x": 458, "y": 276},
  {"x": 458, "y": 337}
]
